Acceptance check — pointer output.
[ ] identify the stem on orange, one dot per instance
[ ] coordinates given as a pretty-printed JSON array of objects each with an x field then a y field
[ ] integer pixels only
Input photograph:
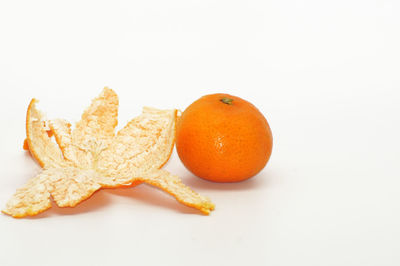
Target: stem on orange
[{"x": 227, "y": 100}]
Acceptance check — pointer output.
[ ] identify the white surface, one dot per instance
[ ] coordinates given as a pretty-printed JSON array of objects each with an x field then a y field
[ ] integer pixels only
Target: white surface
[{"x": 325, "y": 74}]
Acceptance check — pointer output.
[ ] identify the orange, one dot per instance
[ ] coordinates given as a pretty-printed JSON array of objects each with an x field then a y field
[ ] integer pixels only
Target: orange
[{"x": 223, "y": 138}]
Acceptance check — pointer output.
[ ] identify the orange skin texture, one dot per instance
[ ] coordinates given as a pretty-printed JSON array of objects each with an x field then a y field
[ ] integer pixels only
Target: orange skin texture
[{"x": 223, "y": 142}]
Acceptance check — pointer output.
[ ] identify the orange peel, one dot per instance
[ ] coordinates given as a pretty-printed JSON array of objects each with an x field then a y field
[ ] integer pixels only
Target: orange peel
[{"x": 91, "y": 156}]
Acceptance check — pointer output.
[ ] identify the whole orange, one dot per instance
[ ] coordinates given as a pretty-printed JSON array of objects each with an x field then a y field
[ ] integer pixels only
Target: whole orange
[{"x": 223, "y": 138}]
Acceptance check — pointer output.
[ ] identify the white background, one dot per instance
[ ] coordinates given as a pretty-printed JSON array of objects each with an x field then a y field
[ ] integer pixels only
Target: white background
[{"x": 326, "y": 74}]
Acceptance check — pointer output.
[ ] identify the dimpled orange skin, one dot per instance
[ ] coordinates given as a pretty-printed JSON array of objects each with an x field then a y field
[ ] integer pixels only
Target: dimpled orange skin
[{"x": 223, "y": 142}]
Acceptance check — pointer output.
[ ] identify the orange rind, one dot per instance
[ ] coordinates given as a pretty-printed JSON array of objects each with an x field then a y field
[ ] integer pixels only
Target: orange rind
[{"x": 91, "y": 156}]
